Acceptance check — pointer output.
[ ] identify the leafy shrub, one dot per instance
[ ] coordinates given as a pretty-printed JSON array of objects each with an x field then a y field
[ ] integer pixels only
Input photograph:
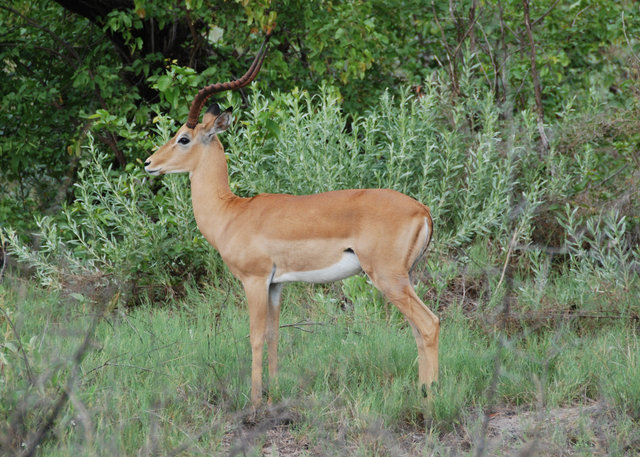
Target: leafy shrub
[
  {"x": 302, "y": 143},
  {"x": 597, "y": 247},
  {"x": 118, "y": 231}
]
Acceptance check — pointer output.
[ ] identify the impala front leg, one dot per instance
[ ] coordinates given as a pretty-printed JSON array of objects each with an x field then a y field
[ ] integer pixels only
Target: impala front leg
[
  {"x": 273, "y": 326},
  {"x": 257, "y": 299}
]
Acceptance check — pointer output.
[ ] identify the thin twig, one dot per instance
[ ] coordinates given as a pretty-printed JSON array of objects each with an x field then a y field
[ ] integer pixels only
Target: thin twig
[
  {"x": 44, "y": 429},
  {"x": 450, "y": 56},
  {"x": 22, "y": 351},
  {"x": 110, "y": 362},
  {"x": 545, "y": 14},
  {"x": 573, "y": 23},
  {"x": 615, "y": 173},
  {"x": 4, "y": 257},
  {"x": 505, "y": 56},
  {"x": 466, "y": 33},
  {"x": 33, "y": 23},
  {"x": 506, "y": 261},
  {"x": 624, "y": 30},
  {"x": 572, "y": 315},
  {"x": 135, "y": 367},
  {"x": 493, "y": 85},
  {"x": 85, "y": 419},
  {"x": 297, "y": 324},
  {"x": 493, "y": 387},
  {"x": 537, "y": 88}
]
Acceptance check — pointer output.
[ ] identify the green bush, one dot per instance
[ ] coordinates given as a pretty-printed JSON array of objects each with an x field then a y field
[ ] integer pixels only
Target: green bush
[{"x": 122, "y": 231}]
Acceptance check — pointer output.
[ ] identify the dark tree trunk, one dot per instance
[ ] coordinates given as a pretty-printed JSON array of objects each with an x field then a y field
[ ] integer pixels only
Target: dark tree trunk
[{"x": 177, "y": 40}]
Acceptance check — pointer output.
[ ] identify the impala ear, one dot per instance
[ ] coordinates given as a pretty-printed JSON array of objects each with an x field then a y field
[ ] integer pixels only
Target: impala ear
[
  {"x": 215, "y": 124},
  {"x": 214, "y": 109},
  {"x": 212, "y": 112}
]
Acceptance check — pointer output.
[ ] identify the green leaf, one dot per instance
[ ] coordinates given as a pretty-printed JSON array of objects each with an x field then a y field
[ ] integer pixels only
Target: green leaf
[
  {"x": 164, "y": 82},
  {"x": 12, "y": 347}
]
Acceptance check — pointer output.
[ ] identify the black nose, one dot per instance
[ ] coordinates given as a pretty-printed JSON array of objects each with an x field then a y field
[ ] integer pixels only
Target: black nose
[{"x": 147, "y": 163}]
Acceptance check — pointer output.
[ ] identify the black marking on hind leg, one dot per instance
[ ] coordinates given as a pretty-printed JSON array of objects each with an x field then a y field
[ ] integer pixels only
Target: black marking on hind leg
[
  {"x": 412, "y": 246},
  {"x": 271, "y": 276},
  {"x": 421, "y": 254}
]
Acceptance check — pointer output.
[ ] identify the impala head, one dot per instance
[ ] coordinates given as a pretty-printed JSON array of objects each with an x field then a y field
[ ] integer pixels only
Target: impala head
[{"x": 182, "y": 153}]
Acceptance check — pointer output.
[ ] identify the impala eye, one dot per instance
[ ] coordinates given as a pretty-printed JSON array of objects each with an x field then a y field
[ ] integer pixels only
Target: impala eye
[{"x": 184, "y": 140}]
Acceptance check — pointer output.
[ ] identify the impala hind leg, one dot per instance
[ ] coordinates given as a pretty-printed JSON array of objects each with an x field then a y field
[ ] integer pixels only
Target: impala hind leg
[
  {"x": 427, "y": 339},
  {"x": 273, "y": 326},
  {"x": 424, "y": 323},
  {"x": 257, "y": 299}
]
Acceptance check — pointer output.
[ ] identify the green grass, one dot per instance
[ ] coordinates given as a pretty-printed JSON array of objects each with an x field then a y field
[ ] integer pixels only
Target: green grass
[{"x": 159, "y": 376}]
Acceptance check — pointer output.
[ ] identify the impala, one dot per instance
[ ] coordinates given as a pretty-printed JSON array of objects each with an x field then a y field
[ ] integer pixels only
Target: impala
[{"x": 271, "y": 239}]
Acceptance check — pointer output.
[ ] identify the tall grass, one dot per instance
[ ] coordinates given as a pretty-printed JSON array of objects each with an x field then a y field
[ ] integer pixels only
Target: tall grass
[{"x": 164, "y": 377}]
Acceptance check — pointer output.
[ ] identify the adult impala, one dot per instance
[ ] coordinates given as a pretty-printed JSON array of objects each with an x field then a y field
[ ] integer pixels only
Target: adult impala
[{"x": 271, "y": 239}]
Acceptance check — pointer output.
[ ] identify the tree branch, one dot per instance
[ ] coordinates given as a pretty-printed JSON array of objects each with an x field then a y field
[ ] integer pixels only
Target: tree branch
[
  {"x": 450, "y": 56},
  {"x": 545, "y": 14},
  {"x": 33, "y": 23},
  {"x": 39, "y": 435},
  {"x": 13, "y": 328},
  {"x": 544, "y": 142}
]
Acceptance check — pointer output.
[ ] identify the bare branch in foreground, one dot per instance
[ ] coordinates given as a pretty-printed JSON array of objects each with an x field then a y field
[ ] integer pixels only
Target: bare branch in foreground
[{"x": 47, "y": 425}]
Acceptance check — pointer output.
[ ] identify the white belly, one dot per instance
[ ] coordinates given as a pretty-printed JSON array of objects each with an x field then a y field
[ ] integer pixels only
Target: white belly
[{"x": 348, "y": 265}]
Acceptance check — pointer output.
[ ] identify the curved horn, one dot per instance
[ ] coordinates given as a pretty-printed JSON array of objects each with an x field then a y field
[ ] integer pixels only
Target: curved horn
[{"x": 208, "y": 91}]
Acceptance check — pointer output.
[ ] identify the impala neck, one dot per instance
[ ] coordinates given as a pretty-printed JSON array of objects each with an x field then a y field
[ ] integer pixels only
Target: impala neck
[
  {"x": 210, "y": 179},
  {"x": 210, "y": 191}
]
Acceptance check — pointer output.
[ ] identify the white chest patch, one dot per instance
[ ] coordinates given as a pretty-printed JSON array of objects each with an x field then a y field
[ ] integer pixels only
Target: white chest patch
[{"x": 348, "y": 265}]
